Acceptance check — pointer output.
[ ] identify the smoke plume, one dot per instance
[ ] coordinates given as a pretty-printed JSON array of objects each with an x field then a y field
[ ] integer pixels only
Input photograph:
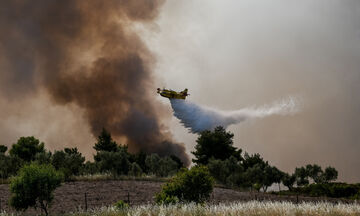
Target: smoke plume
[
  {"x": 86, "y": 53},
  {"x": 199, "y": 118}
]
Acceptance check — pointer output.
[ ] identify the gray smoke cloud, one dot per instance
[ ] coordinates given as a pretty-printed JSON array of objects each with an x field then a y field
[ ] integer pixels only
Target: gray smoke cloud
[
  {"x": 198, "y": 118},
  {"x": 84, "y": 54}
]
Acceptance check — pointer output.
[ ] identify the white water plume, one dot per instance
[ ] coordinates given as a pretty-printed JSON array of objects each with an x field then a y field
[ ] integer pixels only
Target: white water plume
[{"x": 199, "y": 118}]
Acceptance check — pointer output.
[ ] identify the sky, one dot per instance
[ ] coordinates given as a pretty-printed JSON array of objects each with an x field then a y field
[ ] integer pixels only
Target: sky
[
  {"x": 230, "y": 54},
  {"x": 236, "y": 54}
]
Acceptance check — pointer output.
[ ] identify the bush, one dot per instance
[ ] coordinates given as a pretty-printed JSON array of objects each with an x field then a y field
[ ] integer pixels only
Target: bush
[
  {"x": 9, "y": 165},
  {"x": 121, "y": 205},
  {"x": 135, "y": 170},
  {"x": 90, "y": 168},
  {"x": 34, "y": 186},
  {"x": 335, "y": 190},
  {"x": 194, "y": 185}
]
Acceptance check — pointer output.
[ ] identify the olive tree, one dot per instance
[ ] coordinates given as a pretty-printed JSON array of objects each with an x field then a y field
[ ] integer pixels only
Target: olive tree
[{"x": 34, "y": 186}]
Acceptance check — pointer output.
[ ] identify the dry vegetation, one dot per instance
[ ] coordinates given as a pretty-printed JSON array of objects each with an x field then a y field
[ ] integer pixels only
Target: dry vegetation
[
  {"x": 246, "y": 208},
  {"x": 101, "y": 193}
]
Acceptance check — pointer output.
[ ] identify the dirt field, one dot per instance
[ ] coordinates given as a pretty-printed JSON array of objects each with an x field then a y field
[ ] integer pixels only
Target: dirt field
[{"x": 71, "y": 195}]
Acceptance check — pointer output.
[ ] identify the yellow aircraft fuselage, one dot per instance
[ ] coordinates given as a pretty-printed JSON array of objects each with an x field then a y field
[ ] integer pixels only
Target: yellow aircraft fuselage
[{"x": 172, "y": 94}]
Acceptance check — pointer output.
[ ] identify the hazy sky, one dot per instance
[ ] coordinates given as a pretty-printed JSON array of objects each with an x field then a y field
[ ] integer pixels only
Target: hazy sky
[
  {"x": 233, "y": 54},
  {"x": 230, "y": 55}
]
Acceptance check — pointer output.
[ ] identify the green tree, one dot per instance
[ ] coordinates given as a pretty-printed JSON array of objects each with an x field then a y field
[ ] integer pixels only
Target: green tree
[
  {"x": 167, "y": 167},
  {"x": 135, "y": 170},
  {"x": 180, "y": 164},
  {"x": 194, "y": 185},
  {"x": 330, "y": 174},
  {"x": 43, "y": 157},
  {"x": 9, "y": 165},
  {"x": 90, "y": 168},
  {"x": 252, "y": 160},
  {"x": 255, "y": 176},
  {"x": 3, "y": 149},
  {"x": 277, "y": 175},
  {"x": 105, "y": 142},
  {"x": 301, "y": 176},
  {"x": 289, "y": 181},
  {"x": 217, "y": 144},
  {"x": 218, "y": 170},
  {"x": 229, "y": 171},
  {"x": 115, "y": 162},
  {"x": 140, "y": 159},
  {"x": 70, "y": 162},
  {"x": 315, "y": 172},
  {"x": 34, "y": 187},
  {"x": 152, "y": 163},
  {"x": 26, "y": 148}
]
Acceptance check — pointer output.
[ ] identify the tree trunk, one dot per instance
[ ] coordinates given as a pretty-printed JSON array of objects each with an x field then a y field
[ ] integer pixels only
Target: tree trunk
[{"x": 44, "y": 207}]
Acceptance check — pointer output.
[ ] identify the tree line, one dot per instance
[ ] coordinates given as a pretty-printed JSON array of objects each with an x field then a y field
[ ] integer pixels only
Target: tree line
[
  {"x": 110, "y": 158},
  {"x": 228, "y": 166},
  {"x": 214, "y": 149}
]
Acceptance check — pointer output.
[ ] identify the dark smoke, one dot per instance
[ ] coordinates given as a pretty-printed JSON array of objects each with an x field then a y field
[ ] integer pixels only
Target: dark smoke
[{"x": 86, "y": 53}]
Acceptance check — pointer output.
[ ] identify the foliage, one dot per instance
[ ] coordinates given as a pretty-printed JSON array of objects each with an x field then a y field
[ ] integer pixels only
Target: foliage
[
  {"x": 194, "y": 185},
  {"x": 301, "y": 176},
  {"x": 26, "y": 148},
  {"x": 289, "y": 180},
  {"x": 105, "y": 142},
  {"x": 217, "y": 144},
  {"x": 121, "y": 205},
  {"x": 135, "y": 170},
  {"x": 315, "y": 172},
  {"x": 140, "y": 159},
  {"x": 229, "y": 172},
  {"x": 335, "y": 190},
  {"x": 161, "y": 167},
  {"x": 34, "y": 186},
  {"x": 43, "y": 157},
  {"x": 9, "y": 165},
  {"x": 116, "y": 163},
  {"x": 178, "y": 161},
  {"x": 3, "y": 149},
  {"x": 90, "y": 168},
  {"x": 330, "y": 174},
  {"x": 69, "y": 161}
]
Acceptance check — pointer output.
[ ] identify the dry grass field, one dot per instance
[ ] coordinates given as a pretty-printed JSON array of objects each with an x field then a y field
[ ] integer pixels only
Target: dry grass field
[
  {"x": 70, "y": 197},
  {"x": 251, "y": 208}
]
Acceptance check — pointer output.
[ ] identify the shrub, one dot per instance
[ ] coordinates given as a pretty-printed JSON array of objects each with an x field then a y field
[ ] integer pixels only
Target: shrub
[
  {"x": 135, "y": 170},
  {"x": 34, "y": 186},
  {"x": 9, "y": 165},
  {"x": 194, "y": 185},
  {"x": 121, "y": 205},
  {"x": 335, "y": 190},
  {"x": 90, "y": 168}
]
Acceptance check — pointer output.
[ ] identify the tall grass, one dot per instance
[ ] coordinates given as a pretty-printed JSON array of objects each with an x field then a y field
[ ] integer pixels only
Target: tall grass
[{"x": 253, "y": 208}]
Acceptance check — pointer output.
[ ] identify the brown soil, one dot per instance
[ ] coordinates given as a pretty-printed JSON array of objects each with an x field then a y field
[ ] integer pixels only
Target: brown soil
[{"x": 71, "y": 195}]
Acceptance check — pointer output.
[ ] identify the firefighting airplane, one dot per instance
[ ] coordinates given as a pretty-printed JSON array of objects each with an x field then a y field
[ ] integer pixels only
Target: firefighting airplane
[{"x": 171, "y": 94}]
